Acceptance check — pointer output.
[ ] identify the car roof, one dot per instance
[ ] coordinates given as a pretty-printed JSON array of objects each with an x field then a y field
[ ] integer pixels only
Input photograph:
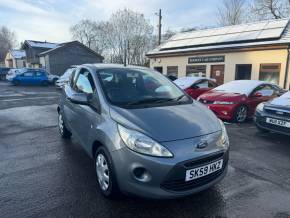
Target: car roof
[
  {"x": 107, "y": 66},
  {"x": 242, "y": 86},
  {"x": 185, "y": 82}
]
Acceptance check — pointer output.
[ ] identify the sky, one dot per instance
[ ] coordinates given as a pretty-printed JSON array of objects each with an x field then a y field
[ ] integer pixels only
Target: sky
[{"x": 50, "y": 20}]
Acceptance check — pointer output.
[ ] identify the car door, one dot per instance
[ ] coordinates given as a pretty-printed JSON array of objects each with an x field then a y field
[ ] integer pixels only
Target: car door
[
  {"x": 27, "y": 78},
  {"x": 38, "y": 77},
  {"x": 86, "y": 117},
  {"x": 199, "y": 88},
  {"x": 261, "y": 94}
]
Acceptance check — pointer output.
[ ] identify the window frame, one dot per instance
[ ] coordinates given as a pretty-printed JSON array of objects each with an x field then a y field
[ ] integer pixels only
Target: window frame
[
  {"x": 77, "y": 75},
  {"x": 270, "y": 64}
]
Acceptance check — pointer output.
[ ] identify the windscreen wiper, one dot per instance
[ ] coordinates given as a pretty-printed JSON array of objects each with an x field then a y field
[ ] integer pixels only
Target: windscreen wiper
[{"x": 149, "y": 100}]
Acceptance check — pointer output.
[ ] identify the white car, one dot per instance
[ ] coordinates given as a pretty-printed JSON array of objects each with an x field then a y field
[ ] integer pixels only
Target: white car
[
  {"x": 64, "y": 79},
  {"x": 52, "y": 78},
  {"x": 12, "y": 73}
]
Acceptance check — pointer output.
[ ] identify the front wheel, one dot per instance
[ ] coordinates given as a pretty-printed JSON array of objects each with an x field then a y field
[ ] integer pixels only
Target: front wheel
[
  {"x": 240, "y": 114},
  {"x": 64, "y": 132},
  {"x": 106, "y": 177}
]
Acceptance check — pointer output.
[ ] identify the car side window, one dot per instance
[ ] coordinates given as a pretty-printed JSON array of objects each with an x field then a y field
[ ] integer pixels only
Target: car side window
[
  {"x": 265, "y": 90},
  {"x": 202, "y": 84},
  {"x": 39, "y": 74},
  {"x": 28, "y": 74},
  {"x": 212, "y": 84},
  {"x": 85, "y": 83}
]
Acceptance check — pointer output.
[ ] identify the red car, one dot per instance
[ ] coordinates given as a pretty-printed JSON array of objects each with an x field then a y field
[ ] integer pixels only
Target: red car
[
  {"x": 195, "y": 86},
  {"x": 237, "y": 100}
]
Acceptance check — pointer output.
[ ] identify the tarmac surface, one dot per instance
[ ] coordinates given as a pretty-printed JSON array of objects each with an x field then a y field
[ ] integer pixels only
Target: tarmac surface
[{"x": 42, "y": 175}]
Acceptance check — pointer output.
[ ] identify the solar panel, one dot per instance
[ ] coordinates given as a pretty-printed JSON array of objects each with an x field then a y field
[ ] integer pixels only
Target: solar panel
[
  {"x": 270, "y": 33},
  {"x": 251, "y": 31}
]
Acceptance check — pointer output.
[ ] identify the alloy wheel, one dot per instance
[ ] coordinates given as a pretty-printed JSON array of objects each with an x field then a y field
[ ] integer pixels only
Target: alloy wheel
[
  {"x": 241, "y": 114},
  {"x": 102, "y": 172}
]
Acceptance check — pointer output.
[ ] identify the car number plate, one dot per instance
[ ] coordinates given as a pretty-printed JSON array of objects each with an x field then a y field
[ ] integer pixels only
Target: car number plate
[
  {"x": 278, "y": 122},
  {"x": 203, "y": 170}
]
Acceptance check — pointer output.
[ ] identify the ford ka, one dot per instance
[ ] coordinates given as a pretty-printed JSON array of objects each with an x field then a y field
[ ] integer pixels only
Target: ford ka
[{"x": 149, "y": 141}]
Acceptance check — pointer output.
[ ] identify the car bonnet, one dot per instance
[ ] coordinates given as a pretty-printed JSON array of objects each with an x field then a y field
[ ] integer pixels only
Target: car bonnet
[{"x": 168, "y": 123}]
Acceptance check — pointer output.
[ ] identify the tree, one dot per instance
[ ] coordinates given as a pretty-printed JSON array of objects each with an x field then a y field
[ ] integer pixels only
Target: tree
[
  {"x": 231, "y": 12},
  {"x": 167, "y": 35},
  {"x": 7, "y": 41},
  {"x": 90, "y": 33},
  {"x": 269, "y": 9}
]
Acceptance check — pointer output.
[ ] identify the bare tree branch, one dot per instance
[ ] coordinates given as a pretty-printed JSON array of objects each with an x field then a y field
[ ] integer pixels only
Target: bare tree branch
[
  {"x": 7, "y": 41},
  {"x": 231, "y": 12},
  {"x": 269, "y": 9}
]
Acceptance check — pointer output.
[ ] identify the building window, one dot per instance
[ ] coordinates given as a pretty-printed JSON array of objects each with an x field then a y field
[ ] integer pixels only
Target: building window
[
  {"x": 159, "y": 69},
  {"x": 196, "y": 70},
  {"x": 172, "y": 71},
  {"x": 243, "y": 71},
  {"x": 270, "y": 73}
]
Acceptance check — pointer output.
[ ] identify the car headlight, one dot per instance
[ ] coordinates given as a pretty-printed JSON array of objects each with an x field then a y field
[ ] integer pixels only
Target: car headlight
[
  {"x": 260, "y": 107},
  {"x": 223, "y": 102},
  {"x": 141, "y": 143},
  {"x": 223, "y": 141}
]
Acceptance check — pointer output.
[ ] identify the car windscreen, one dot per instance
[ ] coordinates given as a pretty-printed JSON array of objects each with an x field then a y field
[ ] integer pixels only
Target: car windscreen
[{"x": 139, "y": 87}]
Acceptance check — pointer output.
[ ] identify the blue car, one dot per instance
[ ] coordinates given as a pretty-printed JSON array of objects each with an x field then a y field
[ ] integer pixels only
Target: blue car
[{"x": 31, "y": 77}]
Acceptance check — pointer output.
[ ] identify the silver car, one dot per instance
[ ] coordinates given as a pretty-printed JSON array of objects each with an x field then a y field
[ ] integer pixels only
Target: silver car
[{"x": 147, "y": 137}]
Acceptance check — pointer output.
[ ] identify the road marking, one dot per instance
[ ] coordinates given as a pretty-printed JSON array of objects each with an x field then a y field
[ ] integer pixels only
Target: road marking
[{"x": 21, "y": 99}]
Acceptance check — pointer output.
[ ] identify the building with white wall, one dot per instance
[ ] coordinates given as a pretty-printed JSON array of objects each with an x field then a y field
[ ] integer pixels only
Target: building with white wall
[{"x": 257, "y": 51}]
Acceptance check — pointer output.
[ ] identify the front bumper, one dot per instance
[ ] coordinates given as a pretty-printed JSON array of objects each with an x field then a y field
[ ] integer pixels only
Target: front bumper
[
  {"x": 165, "y": 177},
  {"x": 224, "y": 112},
  {"x": 260, "y": 121}
]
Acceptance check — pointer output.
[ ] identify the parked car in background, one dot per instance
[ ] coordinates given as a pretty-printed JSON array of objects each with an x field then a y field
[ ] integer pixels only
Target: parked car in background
[
  {"x": 30, "y": 77},
  {"x": 195, "y": 86},
  {"x": 237, "y": 100},
  {"x": 3, "y": 72},
  {"x": 130, "y": 132},
  {"x": 52, "y": 78},
  {"x": 12, "y": 72},
  {"x": 274, "y": 115},
  {"x": 171, "y": 77},
  {"x": 64, "y": 79}
]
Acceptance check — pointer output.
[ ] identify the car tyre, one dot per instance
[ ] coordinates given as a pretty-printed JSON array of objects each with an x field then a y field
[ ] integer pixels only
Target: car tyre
[
  {"x": 64, "y": 132},
  {"x": 241, "y": 114},
  {"x": 106, "y": 177}
]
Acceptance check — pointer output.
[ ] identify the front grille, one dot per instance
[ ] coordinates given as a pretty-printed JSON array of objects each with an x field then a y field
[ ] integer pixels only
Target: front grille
[
  {"x": 205, "y": 101},
  {"x": 276, "y": 112},
  {"x": 203, "y": 161},
  {"x": 181, "y": 185},
  {"x": 175, "y": 180}
]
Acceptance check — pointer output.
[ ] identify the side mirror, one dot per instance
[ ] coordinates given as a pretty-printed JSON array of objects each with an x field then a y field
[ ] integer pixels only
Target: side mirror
[
  {"x": 257, "y": 94},
  {"x": 79, "y": 98}
]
